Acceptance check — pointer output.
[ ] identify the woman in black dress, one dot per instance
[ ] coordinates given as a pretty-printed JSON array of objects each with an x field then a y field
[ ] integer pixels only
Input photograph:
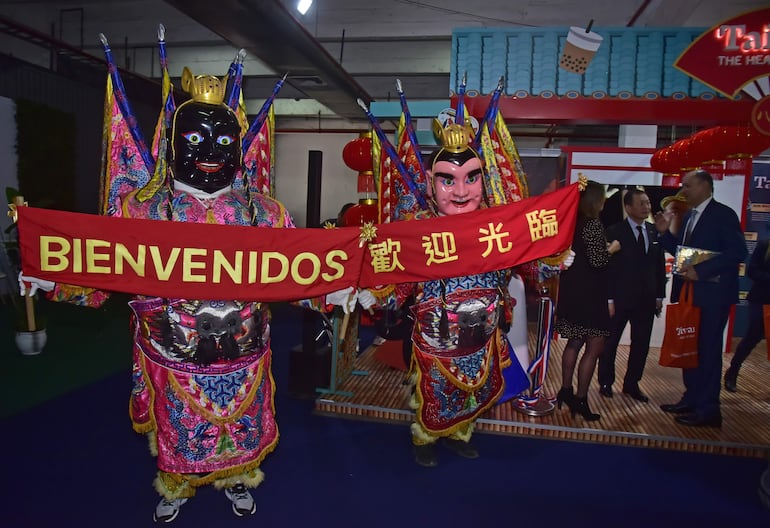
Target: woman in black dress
[{"x": 582, "y": 316}]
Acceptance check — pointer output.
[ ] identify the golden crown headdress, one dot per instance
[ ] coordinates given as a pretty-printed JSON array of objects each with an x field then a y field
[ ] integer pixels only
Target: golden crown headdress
[
  {"x": 204, "y": 88},
  {"x": 453, "y": 137}
]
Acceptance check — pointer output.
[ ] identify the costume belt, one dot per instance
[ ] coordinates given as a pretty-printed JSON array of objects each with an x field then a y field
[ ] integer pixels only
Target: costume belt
[
  {"x": 174, "y": 332},
  {"x": 471, "y": 317}
]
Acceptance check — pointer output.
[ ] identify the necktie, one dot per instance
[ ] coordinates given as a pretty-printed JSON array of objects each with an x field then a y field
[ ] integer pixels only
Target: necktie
[
  {"x": 640, "y": 239},
  {"x": 690, "y": 226}
]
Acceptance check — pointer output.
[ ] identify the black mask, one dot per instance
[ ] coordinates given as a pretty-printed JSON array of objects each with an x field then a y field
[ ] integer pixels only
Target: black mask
[{"x": 206, "y": 146}]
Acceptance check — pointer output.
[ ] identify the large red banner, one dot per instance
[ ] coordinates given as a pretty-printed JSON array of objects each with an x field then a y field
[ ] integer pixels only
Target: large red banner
[{"x": 175, "y": 259}]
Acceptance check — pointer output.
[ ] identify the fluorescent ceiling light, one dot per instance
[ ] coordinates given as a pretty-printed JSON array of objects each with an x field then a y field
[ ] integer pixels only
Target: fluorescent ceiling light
[{"x": 303, "y": 6}]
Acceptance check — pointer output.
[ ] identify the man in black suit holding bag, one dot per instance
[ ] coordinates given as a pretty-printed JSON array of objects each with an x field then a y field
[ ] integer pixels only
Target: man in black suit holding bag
[
  {"x": 637, "y": 286},
  {"x": 715, "y": 227}
]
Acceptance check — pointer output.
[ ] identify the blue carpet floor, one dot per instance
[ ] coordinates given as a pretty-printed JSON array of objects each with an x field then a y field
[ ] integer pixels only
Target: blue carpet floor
[{"x": 75, "y": 462}]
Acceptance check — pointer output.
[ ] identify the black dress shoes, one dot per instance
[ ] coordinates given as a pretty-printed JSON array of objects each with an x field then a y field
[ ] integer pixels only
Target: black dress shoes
[
  {"x": 425, "y": 455},
  {"x": 694, "y": 420},
  {"x": 677, "y": 408},
  {"x": 605, "y": 390},
  {"x": 464, "y": 449},
  {"x": 636, "y": 394},
  {"x": 731, "y": 380}
]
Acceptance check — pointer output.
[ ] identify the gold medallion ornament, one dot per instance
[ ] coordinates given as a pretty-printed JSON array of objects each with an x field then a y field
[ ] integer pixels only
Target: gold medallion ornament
[{"x": 368, "y": 233}]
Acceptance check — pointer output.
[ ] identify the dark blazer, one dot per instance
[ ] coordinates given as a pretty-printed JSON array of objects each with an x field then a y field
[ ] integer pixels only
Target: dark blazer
[
  {"x": 759, "y": 273},
  {"x": 636, "y": 277},
  {"x": 718, "y": 229}
]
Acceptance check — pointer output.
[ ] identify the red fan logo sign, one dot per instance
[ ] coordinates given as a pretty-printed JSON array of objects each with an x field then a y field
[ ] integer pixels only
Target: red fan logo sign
[
  {"x": 760, "y": 116},
  {"x": 733, "y": 56}
]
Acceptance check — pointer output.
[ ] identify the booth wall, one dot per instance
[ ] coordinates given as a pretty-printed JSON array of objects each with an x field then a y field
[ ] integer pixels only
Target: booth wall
[
  {"x": 338, "y": 182},
  {"x": 7, "y": 152},
  {"x": 85, "y": 101}
]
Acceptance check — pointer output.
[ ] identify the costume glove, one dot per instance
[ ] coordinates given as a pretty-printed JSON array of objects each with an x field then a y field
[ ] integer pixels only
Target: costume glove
[
  {"x": 345, "y": 298},
  {"x": 33, "y": 284},
  {"x": 569, "y": 260},
  {"x": 366, "y": 299}
]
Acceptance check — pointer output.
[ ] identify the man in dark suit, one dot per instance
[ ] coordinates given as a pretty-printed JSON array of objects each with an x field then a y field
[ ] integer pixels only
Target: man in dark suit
[
  {"x": 637, "y": 286},
  {"x": 712, "y": 226}
]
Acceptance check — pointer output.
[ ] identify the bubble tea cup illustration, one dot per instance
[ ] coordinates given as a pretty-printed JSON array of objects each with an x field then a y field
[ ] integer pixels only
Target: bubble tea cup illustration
[{"x": 580, "y": 48}]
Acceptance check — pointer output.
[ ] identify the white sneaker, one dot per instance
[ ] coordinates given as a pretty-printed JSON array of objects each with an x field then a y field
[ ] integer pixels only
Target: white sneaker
[
  {"x": 167, "y": 510},
  {"x": 243, "y": 502}
]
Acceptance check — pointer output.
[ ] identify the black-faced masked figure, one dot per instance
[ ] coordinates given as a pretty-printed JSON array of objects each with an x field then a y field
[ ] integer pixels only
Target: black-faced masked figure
[
  {"x": 206, "y": 146},
  {"x": 203, "y": 388},
  {"x": 202, "y": 368}
]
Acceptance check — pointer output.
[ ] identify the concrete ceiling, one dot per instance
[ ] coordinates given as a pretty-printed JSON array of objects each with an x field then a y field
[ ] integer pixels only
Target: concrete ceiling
[{"x": 341, "y": 49}]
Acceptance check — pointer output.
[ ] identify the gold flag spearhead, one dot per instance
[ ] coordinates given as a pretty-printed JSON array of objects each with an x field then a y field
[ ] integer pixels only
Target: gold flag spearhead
[
  {"x": 582, "y": 181},
  {"x": 13, "y": 213}
]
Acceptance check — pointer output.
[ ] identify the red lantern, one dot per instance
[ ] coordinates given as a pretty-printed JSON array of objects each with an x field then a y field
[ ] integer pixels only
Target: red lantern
[
  {"x": 671, "y": 180},
  {"x": 683, "y": 155},
  {"x": 658, "y": 160},
  {"x": 738, "y": 145},
  {"x": 702, "y": 146},
  {"x": 666, "y": 160},
  {"x": 738, "y": 165},
  {"x": 674, "y": 158},
  {"x": 707, "y": 150},
  {"x": 366, "y": 182},
  {"x": 730, "y": 140},
  {"x": 357, "y": 154},
  {"x": 715, "y": 168},
  {"x": 663, "y": 160},
  {"x": 756, "y": 142},
  {"x": 365, "y": 211}
]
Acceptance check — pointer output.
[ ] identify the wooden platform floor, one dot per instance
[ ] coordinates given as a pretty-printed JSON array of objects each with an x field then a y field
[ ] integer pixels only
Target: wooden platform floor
[{"x": 378, "y": 393}]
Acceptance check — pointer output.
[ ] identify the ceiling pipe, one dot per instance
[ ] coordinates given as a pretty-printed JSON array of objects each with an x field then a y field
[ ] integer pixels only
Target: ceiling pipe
[
  {"x": 268, "y": 31},
  {"x": 549, "y": 133},
  {"x": 638, "y": 13},
  {"x": 390, "y": 132},
  {"x": 141, "y": 87}
]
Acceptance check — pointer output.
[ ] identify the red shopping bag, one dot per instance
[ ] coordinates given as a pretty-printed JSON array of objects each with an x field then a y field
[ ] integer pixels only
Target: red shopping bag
[{"x": 680, "y": 342}]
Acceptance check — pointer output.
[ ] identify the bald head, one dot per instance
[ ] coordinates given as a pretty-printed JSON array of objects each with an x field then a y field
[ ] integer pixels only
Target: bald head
[{"x": 697, "y": 187}]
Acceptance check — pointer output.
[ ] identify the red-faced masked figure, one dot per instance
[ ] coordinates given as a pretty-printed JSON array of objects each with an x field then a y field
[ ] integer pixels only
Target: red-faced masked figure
[
  {"x": 458, "y": 344},
  {"x": 455, "y": 182},
  {"x": 460, "y": 356}
]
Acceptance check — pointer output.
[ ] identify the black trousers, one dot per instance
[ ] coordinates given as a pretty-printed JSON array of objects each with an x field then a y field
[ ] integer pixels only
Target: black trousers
[
  {"x": 754, "y": 334},
  {"x": 641, "y": 319},
  {"x": 704, "y": 383}
]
